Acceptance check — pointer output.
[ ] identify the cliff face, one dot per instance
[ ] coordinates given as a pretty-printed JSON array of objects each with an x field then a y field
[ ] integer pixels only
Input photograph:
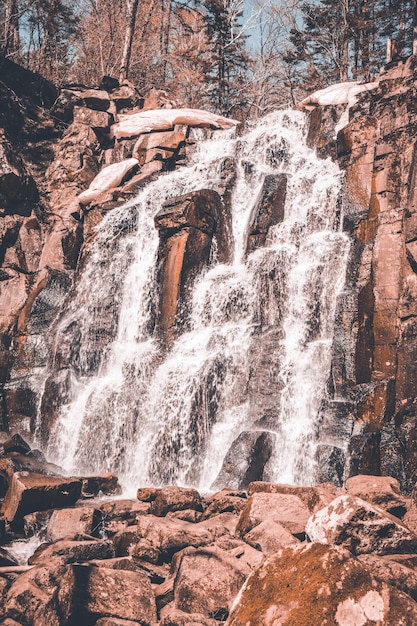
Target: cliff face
[
  {"x": 52, "y": 147},
  {"x": 374, "y": 367}
]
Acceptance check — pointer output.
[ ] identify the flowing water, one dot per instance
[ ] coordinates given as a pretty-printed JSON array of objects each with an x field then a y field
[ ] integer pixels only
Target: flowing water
[{"x": 257, "y": 353}]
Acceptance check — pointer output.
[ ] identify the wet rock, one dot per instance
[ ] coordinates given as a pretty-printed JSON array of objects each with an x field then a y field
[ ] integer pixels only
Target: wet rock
[
  {"x": 70, "y": 551},
  {"x": 16, "y": 443},
  {"x": 381, "y": 490},
  {"x": 360, "y": 527},
  {"x": 186, "y": 226},
  {"x": 105, "y": 484},
  {"x": 124, "y": 540},
  {"x": 331, "y": 462},
  {"x": 6, "y": 558},
  {"x": 175, "y": 499},
  {"x": 342, "y": 591},
  {"x": 268, "y": 210},
  {"x": 35, "y": 492},
  {"x": 287, "y": 509},
  {"x": 245, "y": 460}
]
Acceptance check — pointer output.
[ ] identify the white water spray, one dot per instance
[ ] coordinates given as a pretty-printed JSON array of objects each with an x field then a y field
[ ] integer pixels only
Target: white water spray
[{"x": 257, "y": 354}]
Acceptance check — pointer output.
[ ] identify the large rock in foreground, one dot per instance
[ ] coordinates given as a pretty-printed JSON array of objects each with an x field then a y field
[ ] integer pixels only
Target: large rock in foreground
[{"x": 317, "y": 584}]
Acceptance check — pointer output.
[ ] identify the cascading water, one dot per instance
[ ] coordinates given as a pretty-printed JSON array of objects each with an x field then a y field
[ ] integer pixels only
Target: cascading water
[{"x": 256, "y": 356}]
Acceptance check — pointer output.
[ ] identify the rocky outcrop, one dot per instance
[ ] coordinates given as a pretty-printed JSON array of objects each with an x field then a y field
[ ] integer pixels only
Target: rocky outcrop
[{"x": 374, "y": 363}]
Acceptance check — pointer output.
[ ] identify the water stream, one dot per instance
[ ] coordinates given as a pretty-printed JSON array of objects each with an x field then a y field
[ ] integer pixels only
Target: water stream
[{"x": 257, "y": 353}]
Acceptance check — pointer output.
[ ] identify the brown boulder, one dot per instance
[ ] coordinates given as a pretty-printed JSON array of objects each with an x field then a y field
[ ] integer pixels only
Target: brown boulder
[
  {"x": 207, "y": 581},
  {"x": 34, "y": 492},
  {"x": 63, "y": 522},
  {"x": 317, "y": 584},
  {"x": 41, "y": 596},
  {"x": 114, "y": 593},
  {"x": 381, "y": 490},
  {"x": 225, "y": 501},
  {"x": 160, "y": 538},
  {"x": 360, "y": 527},
  {"x": 315, "y": 498},
  {"x": 287, "y": 509},
  {"x": 269, "y": 536},
  {"x": 392, "y": 572},
  {"x": 72, "y": 551},
  {"x": 175, "y": 499}
]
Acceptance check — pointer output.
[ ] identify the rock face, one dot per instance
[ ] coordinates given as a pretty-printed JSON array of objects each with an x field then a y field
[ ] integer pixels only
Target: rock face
[{"x": 374, "y": 363}]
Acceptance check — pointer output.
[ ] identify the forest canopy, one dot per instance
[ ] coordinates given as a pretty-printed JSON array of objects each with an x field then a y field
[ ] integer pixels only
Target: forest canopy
[{"x": 231, "y": 56}]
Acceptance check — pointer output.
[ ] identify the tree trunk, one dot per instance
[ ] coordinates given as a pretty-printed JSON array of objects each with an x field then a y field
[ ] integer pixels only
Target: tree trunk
[
  {"x": 131, "y": 10},
  {"x": 11, "y": 29}
]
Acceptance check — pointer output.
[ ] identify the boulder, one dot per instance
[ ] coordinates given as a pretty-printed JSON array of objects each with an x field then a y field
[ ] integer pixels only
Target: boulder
[
  {"x": 208, "y": 569},
  {"x": 392, "y": 572},
  {"x": 114, "y": 593},
  {"x": 360, "y": 527},
  {"x": 149, "y": 146},
  {"x": 315, "y": 498},
  {"x": 245, "y": 460},
  {"x": 16, "y": 443},
  {"x": 381, "y": 490},
  {"x": 321, "y": 585},
  {"x": 34, "y": 492},
  {"x": 224, "y": 501},
  {"x": 173, "y": 498},
  {"x": 41, "y": 596},
  {"x": 18, "y": 190},
  {"x": 163, "y": 537},
  {"x": 174, "y": 617},
  {"x": 63, "y": 522},
  {"x": 6, "y": 558},
  {"x": 98, "y": 120},
  {"x": 106, "y": 484},
  {"x": 269, "y": 536},
  {"x": 287, "y": 509},
  {"x": 118, "y": 514},
  {"x": 73, "y": 551},
  {"x": 96, "y": 99}
]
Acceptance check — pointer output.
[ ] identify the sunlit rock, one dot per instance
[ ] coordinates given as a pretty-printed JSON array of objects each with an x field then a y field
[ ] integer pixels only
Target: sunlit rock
[
  {"x": 319, "y": 583},
  {"x": 360, "y": 527}
]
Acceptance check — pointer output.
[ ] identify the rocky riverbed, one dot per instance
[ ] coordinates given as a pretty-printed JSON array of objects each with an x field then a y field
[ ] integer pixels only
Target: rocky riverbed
[{"x": 274, "y": 554}]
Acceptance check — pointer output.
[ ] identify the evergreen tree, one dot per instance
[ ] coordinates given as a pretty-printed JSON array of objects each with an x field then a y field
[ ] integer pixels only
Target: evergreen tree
[{"x": 228, "y": 57}]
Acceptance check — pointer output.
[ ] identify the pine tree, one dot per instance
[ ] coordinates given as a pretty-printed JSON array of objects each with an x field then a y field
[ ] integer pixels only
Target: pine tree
[{"x": 228, "y": 57}]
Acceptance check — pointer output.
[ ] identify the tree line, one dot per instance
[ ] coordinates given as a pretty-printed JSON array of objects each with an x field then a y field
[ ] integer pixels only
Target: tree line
[{"x": 220, "y": 54}]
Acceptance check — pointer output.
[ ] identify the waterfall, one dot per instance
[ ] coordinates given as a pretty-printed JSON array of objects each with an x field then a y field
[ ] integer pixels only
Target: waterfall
[{"x": 256, "y": 355}]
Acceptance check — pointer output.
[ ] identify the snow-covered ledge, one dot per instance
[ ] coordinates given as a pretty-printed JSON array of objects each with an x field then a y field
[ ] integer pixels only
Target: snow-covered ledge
[
  {"x": 109, "y": 178},
  {"x": 340, "y": 93},
  {"x": 165, "y": 119}
]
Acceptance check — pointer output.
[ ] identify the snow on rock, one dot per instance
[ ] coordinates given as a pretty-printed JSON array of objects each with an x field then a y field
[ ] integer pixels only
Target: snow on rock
[
  {"x": 109, "y": 177},
  {"x": 165, "y": 119},
  {"x": 341, "y": 93}
]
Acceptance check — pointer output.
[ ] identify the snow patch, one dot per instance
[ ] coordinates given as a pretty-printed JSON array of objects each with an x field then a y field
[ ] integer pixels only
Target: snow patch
[
  {"x": 340, "y": 93},
  {"x": 134, "y": 124},
  {"x": 108, "y": 178}
]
